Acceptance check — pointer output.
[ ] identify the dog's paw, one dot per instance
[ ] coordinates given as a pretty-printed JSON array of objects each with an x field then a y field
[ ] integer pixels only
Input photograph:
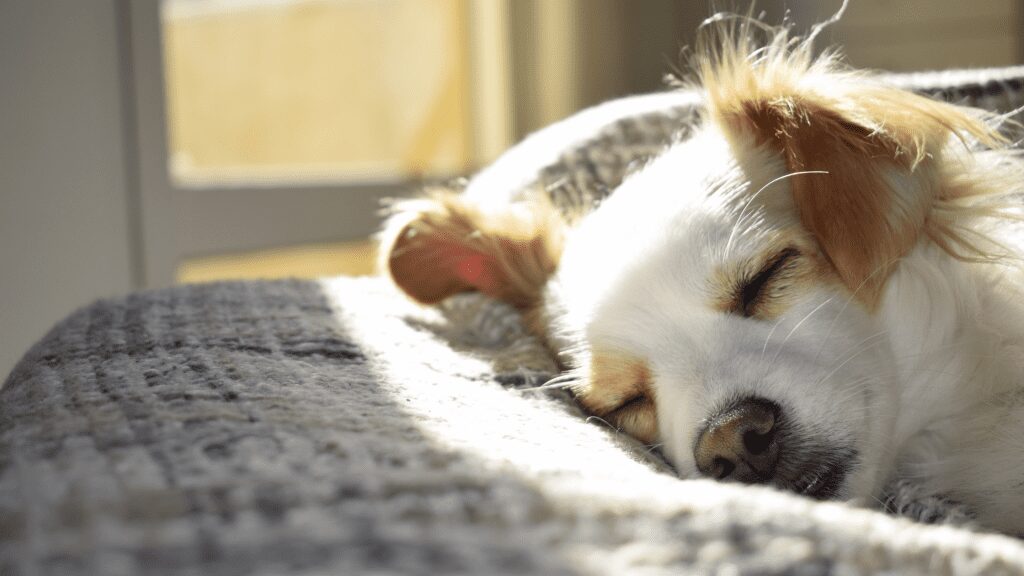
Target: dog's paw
[{"x": 908, "y": 499}]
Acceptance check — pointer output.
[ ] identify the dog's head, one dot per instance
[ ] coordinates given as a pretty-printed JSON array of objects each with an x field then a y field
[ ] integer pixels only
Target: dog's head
[{"x": 726, "y": 302}]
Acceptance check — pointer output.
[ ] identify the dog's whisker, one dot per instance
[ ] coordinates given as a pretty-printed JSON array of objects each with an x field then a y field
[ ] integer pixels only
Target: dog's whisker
[
  {"x": 850, "y": 299},
  {"x": 864, "y": 345},
  {"x": 739, "y": 219},
  {"x": 562, "y": 381},
  {"x": 603, "y": 421},
  {"x": 561, "y": 377},
  {"x": 793, "y": 331},
  {"x": 652, "y": 447},
  {"x": 768, "y": 338},
  {"x": 556, "y": 385}
]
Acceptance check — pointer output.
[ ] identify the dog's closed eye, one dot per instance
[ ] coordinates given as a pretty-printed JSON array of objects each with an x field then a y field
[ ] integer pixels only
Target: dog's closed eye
[
  {"x": 755, "y": 291},
  {"x": 636, "y": 416},
  {"x": 619, "y": 391},
  {"x": 636, "y": 403}
]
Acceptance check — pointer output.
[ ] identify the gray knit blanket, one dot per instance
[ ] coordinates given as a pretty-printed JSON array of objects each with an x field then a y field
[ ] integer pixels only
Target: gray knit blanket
[{"x": 334, "y": 427}]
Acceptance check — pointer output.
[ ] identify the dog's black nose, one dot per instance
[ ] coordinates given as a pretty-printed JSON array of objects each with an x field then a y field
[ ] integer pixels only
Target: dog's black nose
[{"x": 741, "y": 442}]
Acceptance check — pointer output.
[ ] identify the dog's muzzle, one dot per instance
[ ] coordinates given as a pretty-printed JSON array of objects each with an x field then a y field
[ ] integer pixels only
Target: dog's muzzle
[{"x": 750, "y": 441}]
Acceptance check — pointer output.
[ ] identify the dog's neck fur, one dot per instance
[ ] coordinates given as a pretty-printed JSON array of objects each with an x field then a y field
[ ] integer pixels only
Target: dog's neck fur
[
  {"x": 935, "y": 313},
  {"x": 957, "y": 334}
]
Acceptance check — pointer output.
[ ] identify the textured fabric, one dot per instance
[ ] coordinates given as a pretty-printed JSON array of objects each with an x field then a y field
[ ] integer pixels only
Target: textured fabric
[{"x": 335, "y": 428}]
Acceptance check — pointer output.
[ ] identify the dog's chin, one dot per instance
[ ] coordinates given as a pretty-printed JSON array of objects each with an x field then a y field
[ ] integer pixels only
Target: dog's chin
[{"x": 862, "y": 481}]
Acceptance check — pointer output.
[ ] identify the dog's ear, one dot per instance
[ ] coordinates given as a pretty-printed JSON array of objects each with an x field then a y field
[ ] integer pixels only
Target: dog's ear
[
  {"x": 444, "y": 244},
  {"x": 871, "y": 157},
  {"x": 618, "y": 389},
  {"x": 858, "y": 198}
]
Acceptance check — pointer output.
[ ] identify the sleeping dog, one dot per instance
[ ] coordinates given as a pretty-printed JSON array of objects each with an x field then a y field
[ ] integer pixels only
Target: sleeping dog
[{"x": 818, "y": 290}]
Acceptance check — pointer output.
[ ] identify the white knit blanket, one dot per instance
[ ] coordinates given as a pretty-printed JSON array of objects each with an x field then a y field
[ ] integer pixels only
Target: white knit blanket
[{"x": 336, "y": 428}]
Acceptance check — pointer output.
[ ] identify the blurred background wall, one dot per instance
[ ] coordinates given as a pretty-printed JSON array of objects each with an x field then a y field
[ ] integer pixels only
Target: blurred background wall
[
  {"x": 151, "y": 142},
  {"x": 67, "y": 213}
]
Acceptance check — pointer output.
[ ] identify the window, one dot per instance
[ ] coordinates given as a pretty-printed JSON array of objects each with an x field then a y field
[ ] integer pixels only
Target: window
[
  {"x": 315, "y": 90},
  {"x": 281, "y": 124}
]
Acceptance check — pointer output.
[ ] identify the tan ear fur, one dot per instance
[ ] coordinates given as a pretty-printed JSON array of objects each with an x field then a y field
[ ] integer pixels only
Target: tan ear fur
[
  {"x": 443, "y": 244},
  {"x": 882, "y": 149},
  {"x": 618, "y": 389},
  {"x": 870, "y": 207}
]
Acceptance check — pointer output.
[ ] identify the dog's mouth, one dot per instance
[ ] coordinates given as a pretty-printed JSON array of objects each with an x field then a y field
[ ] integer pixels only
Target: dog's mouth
[
  {"x": 822, "y": 483},
  {"x": 812, "y": 467}
]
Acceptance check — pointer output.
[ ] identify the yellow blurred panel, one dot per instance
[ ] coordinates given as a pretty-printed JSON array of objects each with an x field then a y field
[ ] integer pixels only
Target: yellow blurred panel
[
  {"x": 317, "y": 88},
  {"x": 309, "y": 261}
]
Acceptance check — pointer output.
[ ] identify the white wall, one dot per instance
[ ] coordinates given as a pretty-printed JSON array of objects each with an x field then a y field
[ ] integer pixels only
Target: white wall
[{"x": 64, "y": 200}]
